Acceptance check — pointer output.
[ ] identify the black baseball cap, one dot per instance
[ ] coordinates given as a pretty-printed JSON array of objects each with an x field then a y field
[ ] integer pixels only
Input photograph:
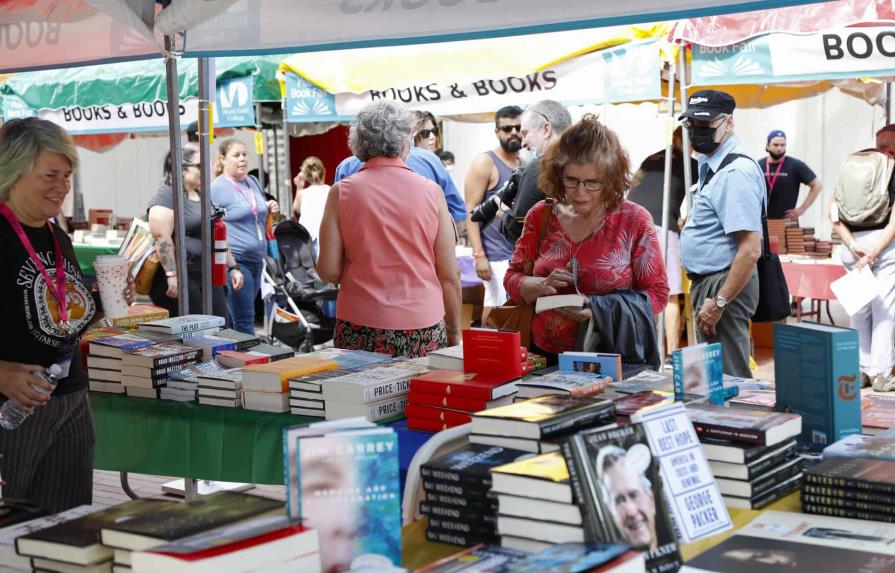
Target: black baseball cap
[{"x": 707, "y": 105}]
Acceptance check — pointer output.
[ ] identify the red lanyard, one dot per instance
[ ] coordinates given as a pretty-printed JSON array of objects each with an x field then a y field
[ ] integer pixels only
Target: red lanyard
[
  {"x": 250, "y": 199},
  {"x": 58, "y": 291},
  {"x": 767, "y": 174}
]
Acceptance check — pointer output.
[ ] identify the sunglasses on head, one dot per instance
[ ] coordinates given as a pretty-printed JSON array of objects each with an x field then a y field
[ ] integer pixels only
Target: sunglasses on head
[
  {"x": 508, "y": 129},
  {"x": 425, "y": 133}
]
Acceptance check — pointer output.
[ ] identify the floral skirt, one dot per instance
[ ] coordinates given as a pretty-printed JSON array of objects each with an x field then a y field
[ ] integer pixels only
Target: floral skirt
[{"x": 409, "y": 343}]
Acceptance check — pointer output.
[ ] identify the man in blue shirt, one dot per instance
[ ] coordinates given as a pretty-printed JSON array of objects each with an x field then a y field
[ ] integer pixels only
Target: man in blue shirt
[
  {"x": 423, "y": 163},
  {"x": 721, "y": 241}
]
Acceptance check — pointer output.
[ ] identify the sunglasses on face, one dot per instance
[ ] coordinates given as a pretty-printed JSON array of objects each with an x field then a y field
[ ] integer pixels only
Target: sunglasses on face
[
  {"x": 426, "y": 133},
  {"x": 508, "y": 129}
]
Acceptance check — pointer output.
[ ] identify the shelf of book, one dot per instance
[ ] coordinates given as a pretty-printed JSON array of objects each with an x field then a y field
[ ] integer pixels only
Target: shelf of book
[
  {"x": 419, "y": 552},
  {"x": 185, "y": 439}
]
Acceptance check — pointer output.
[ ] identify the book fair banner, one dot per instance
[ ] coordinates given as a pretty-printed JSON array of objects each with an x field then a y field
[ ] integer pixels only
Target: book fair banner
[
  {"x": 627, "y": 73},
  {"x": 777, "y": 58}
]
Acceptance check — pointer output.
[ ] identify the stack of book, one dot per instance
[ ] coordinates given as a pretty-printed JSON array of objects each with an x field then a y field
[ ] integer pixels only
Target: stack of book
[
  {"x": 259, "y": 544},
  {"x": 777, "y": 234},
  {"x": 22, "y": 519},
  {"x": 375, "y": 393},
  {"x": 451, "y": 358},
  {"x": 751, "y": 453},
  {"x": 243, "y": 341},
  {"x": 456, "y": 485},
  {"x": 823, "y": 247},
  {"x": 306, "y": 392},
  {"x": 628, "y": 405},
  {"x": 567, "y": 383},
  {"x": 273, "y": 351},
  {"x": 183, "y": 326},
  {"x": 210, "y": 344},
  {"x": 535, "y": 424},
  {"x": 150, "y": 523},
  {"x": 216, "y": 386},
  {"x": 856, "y": 479},
  {"x": 800, "y": 240},
  {"x": 240, "y": 358},
  {"x": 265, "y": 387},
  {"x": 147, "y": 369},
  {"x": 443, "y": 399},
  {"x": 104, "y": 366},
  {"x": 535, "y": 506}
]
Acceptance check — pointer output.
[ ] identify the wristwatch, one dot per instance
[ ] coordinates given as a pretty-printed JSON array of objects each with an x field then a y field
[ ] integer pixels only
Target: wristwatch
[{"x": 720, "y": 302}]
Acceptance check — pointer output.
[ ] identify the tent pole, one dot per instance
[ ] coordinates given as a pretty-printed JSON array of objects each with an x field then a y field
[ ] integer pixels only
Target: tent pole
[
  {"x": 888, "y": 103},
  {"x": 183, "y": 306},
  {"x": 666, "y": 191},
  {"x": 207, "y": 89},
  {"x": 685, "y": 139},
  {"x": 285, "y": 189},
  {"x": 259, "y": 134}
]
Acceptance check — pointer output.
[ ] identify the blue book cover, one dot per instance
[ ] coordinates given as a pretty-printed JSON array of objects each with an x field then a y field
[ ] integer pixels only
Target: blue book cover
[
  {"x": 568, "y": 558},
  {"x": 348, "y": 490},
  {"x": 123, "y": 342},
  {"x": 604, "y": 363},
  {"x": 697, "y": 369},
  {"x": 817, "y": 375},
  {"x": 877, "y": 447}
]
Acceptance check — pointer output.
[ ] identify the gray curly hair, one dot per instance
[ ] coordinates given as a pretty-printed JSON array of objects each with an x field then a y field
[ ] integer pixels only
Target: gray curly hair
[{"x": 381, "y": 129}]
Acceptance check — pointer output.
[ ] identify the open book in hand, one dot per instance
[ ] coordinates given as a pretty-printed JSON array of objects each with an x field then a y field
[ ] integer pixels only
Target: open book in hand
[{"x": 559, "y": 300}]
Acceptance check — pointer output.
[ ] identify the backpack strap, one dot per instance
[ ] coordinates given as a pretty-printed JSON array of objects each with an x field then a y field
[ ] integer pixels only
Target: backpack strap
[{"x": 731, "y": 157}]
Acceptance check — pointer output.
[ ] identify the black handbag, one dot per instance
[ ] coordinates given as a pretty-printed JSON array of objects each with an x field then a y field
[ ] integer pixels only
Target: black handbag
[{"x": 773, "y": 294}]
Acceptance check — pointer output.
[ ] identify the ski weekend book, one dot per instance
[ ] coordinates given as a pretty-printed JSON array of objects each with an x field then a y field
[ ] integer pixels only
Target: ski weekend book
[
  {"x": 606, "y": 466},
  {"x": 545, "y": 417}
]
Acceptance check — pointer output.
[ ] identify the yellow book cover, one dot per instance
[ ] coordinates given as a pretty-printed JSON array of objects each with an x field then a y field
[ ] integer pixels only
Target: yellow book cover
[
  {"x": 551, "y": 467},
  {"x": 138, "y": 314},
  {"x": 274, "y": 376}
]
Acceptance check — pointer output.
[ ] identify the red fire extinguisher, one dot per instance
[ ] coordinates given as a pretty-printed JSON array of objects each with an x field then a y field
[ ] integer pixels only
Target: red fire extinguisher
[{"x": 219, "y": 265}]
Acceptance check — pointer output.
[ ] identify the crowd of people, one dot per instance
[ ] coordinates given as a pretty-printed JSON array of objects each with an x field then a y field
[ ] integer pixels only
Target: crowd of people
[{"x": 579, "y": 220}]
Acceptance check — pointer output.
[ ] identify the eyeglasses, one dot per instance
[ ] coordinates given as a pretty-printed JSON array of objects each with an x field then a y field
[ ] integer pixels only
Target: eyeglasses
[
  {"x": 508, "y": 129},
  {"x": 547, "y": 119},
  {"x": 589, "y": 184},
  {"x": 425, "y": 133},
  {"x": 688, "y": 123}
]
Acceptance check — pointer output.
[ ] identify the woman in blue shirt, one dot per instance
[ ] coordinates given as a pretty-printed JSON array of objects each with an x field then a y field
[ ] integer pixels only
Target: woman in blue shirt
[{"x": 246, "y": 218}]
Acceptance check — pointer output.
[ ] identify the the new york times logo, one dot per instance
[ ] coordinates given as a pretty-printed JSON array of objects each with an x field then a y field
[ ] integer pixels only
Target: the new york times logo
[
  {"x": 358, "y": 6},
  {"x": 848, "y": 388}
]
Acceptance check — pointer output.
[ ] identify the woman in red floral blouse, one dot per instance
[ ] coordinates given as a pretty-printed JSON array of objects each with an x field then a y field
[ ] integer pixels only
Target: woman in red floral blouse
[{"x": 610, "y": 241}]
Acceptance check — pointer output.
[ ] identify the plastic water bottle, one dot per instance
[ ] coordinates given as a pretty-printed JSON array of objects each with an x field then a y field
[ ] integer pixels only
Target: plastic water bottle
[{"x": 11, "y": 416}]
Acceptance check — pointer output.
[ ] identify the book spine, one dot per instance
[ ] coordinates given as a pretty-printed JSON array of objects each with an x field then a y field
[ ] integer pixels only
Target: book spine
[
  {"x": 763, "y": 485},
  {"x": 845, "y": 503},
  {"x": 385, "y": 390},
  {"x": 848, "y": 483},
  {"x": 575, "y": 453},
  {"x": 848, "y": 494},
  {"x": 193, "y": 355},
  {"x": 770, "y": 497},
  {"x": 480, "y": 504},
  {"x": 749, "y": 435},
  {"x": 846, "y": 395},
  {"x": 845, "y": 512},
  {"x": 454, "y": 538},
  {"x": 486, "y": 513},
  {"x": 386, "y": 409},
  {"x": 677, "y": 369},
  {"x": 566, "y": 424},
  {"x": 477, "y": 481},
  {"x": 244, "y": 345},
  {"x": 461, "y": 489},
  {"x": 442, "y": 401},
  {"x": 436, "y": 388},
  {"x": 761, "y": 466},
  {"x": 193, "y": 326},
  {"x": 465, "y": 527}
]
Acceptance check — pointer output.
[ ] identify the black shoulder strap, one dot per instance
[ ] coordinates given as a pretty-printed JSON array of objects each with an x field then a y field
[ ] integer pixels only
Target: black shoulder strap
[{"x": 731, "y": 157}]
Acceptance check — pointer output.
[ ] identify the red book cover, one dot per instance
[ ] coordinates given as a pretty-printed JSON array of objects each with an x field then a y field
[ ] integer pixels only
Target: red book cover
[
  {"x": 420, "y": 412},
  {"x": 488, "y": 351},
  {"x": 455, "y": 383},
  {"x": 443, "y": 401},
  {"x": 426, "y": 425}
]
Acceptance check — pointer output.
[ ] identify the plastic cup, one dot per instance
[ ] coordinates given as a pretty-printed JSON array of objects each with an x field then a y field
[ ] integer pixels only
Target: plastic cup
[{"x": 111, "y": 278}]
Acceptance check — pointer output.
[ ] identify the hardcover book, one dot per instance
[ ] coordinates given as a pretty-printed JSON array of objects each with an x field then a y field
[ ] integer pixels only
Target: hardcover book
[
  {"x": 543, "y": 477},
  {"x": 454, "y": 401},
  {"x": 370, "y": 385},
  {"x": 184, "y": 324},
  {"x": 853, "y": 473},
  {"x": 240, "y": 359},
  {"x": 471, "y": 462},
  {"x": 243, "y": 341},
  {"x": 459, "y": 539},
  {"x": 645, "y": 381},
  {"x": 160, "y": 355},
  {"x": 449, "y": 358},
  {"x": 467, "y": 385},
  {"x": 630, "y": 404},
  {"x": 314, "y": 382},
  {"x": 471, "y": 491},
  {"x": 570, "y": 558},
  {"x": 352, "y": 359},
  {"x": 115, "y": 346},
  {"x": 571, "y": 383},
  {"x": 767, "y": 497},
  {"x": 736, "y": 452},
  {"x": 138, "y": 314},
  {"x": 488, "y": 351},
  {"x": 608, "y": 467},
  {"x": 774, "y": 456},
  {"x": 544, "y": 417},
  {"x": 346, "y": 486},
  {"x": 274, "y": 376},
  {"x": 373, "y": 411},
  {"x": 77, "y": 541},
  {"x": 210, "y": 344},
  {"x": 12, "y": 531},
  {"x": 697, "y": 370},
  {"x": 762, "y": 482},
  {"x": 449, "y": 418},
  {"x": 182, "y": 519},
  {"x": 861, "y": 446},
  {"x": 740, "y": 424},
  {"x": 275, "y": 352},
  {"x": 604, "y": 363},
  {"x": 817, "y": 376}
]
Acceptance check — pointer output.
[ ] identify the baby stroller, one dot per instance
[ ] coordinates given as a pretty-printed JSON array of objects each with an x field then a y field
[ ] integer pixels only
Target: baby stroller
[{"x": 296, "y": 293}]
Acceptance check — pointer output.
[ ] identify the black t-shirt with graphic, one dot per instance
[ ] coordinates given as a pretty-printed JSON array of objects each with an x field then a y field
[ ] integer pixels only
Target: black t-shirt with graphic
[
  {"x": 785, "y": 193},
  {"x": 29, "y": 313}
]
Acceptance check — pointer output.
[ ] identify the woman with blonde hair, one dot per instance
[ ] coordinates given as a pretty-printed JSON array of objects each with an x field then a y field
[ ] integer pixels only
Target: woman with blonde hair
[
  {"x": 47, "y": 306},
  {"x": 310, "y": 195},
  {"x": 596, "y": 241}
]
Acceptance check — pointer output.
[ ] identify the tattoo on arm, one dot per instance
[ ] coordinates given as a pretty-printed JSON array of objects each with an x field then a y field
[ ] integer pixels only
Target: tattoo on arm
[{"x": 166, "y": 255}]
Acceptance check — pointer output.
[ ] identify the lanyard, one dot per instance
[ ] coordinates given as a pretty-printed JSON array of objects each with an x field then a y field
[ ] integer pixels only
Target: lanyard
[
  {"x": 58, "y": 291},
  {"x": 250, "y": 198},
  {"x": 767, "y": 174}
]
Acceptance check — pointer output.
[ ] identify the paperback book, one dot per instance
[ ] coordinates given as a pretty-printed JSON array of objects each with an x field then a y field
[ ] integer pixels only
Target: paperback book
[
  {"x": 861, "y": 446},
  {"x": 468, "y": 385},
  {"x": 698, "y": 370},
  {"x": 470, "y": 463},
  {"x": 545, "y": 417},
  {"x": 604, "y": 363},
  {"x": 543, "y": 477},
  {"x": 743, "y": 425},
  {"x": 570, "y": 383},
  {"x": 184, "y": 324}
]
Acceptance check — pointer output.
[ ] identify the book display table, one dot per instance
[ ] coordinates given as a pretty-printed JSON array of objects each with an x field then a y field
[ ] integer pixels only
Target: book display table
[
  {"x": 86, "y": 254},
  {"x": 811, "y": 281},
  {"x": 185, "y": 439}
]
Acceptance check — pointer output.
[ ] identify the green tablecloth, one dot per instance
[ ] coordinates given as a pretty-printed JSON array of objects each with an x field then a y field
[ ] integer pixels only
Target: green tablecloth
[
  {"x": 161, "y": 437},
  {"x": 86, "y": 254}
]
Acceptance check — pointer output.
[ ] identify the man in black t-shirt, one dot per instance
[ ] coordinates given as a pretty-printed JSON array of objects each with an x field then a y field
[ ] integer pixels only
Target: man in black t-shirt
[{"x": 784, "y": 176}]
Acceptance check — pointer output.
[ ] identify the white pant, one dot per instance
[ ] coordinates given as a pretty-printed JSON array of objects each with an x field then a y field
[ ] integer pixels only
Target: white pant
[
  {"x": 875, "y": 322},
  {"x": 495, "y": 294}
]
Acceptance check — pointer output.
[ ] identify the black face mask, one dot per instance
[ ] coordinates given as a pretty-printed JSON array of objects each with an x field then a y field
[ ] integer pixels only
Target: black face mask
[
  {"x": 776, "y": 156},
  {"x": 702, "y": 139}
]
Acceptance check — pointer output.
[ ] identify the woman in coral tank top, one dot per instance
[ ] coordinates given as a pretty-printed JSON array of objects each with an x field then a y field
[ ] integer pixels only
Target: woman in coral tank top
[{"x": 388, "y": 239}]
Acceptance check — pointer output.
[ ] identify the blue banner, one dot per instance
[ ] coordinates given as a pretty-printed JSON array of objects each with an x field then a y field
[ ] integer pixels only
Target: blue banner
[
  {"x": 15, "y": 107},
  {"x": 633, "y": 73},
  {"x": 234, "y": 104},
  {"x": 306, "y": 102}
]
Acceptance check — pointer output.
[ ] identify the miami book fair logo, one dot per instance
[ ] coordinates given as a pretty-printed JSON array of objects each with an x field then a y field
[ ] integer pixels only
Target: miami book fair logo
[
  {"x": 730, "y": 64},
  {"x": 305, "y": 101}
]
